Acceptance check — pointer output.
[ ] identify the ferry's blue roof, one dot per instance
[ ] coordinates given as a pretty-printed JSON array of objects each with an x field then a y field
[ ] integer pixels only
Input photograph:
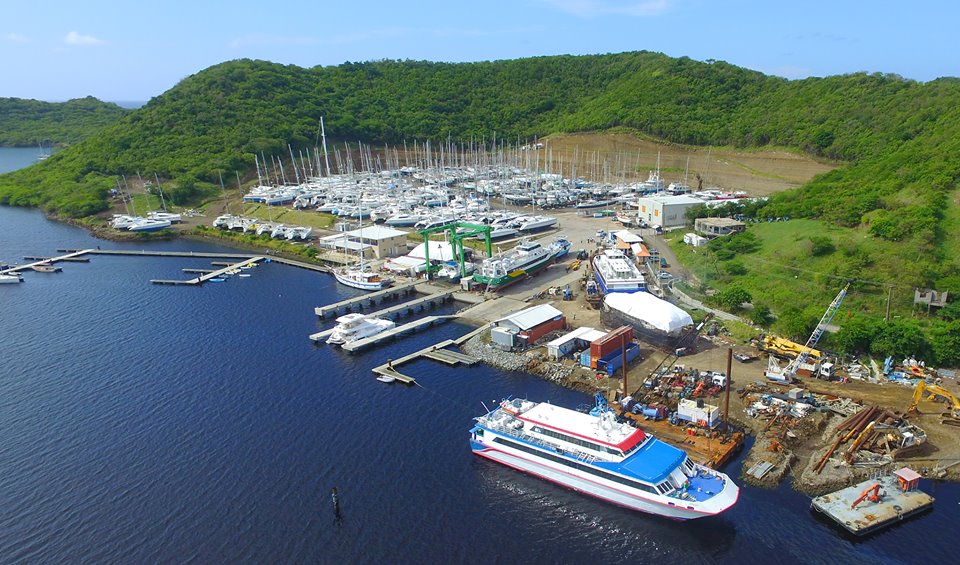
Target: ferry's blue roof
[{"x": 652, "y": 462}]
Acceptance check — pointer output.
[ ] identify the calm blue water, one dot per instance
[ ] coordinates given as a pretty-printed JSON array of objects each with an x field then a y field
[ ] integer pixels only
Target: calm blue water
[
  {"x": 160, "y": 424},
  {"x": 13, "y": 158}
]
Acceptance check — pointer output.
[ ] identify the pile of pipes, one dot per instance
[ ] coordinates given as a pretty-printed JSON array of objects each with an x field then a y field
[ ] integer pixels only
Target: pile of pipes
[{"x": 874, "y": 437}]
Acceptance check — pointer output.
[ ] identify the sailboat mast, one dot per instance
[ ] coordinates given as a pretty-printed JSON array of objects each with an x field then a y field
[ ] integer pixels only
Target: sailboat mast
[{"x": 323, "y": 135}]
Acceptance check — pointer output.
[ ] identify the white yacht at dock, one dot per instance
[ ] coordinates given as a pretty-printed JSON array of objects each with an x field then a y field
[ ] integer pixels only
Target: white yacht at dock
[{"x": 351, "y": 327}]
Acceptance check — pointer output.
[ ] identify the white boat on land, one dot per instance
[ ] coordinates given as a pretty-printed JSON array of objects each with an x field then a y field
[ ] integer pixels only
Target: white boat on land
[
  {"x": 169, "y": 216},
  {"x": 596, "y": 455},
  {"x": 403, "y": 220},
  {"x": 351, "y": 327},
  {"x": 147, "y": 225},
  {"x": 451, "y": 270},
  {"x": 617, "y": 273},
  {"x": 225, "y": 220},
  {"x": 534, "y": 223},
  {"x": 122, "y": 221}
]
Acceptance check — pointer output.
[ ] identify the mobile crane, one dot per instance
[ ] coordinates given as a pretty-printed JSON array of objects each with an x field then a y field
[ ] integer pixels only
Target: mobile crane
[{"x": 785, "y": 375}]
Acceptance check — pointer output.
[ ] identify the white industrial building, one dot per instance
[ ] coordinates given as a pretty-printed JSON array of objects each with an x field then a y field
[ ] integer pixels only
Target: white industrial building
[
  {"x": 376, "y": 241},
  {"x": 665, "y": 211},
  {"x": 576, "y": 340}
]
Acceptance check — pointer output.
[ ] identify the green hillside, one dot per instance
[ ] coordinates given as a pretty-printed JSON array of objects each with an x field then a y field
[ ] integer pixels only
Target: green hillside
[
  {"x": 891, "y": 210},
  {"x": 897, "y": 135},
  {"x": 26, "y": 123}
]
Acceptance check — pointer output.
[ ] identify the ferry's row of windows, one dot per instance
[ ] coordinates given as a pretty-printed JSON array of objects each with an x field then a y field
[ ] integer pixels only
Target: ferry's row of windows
[
  {"x": 576, "y": 441},
  {"x": 578, "y": 466}
]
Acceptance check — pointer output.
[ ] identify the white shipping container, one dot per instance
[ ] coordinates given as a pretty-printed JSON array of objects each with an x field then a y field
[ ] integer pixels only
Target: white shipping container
[{"x": 706, "y": 415}]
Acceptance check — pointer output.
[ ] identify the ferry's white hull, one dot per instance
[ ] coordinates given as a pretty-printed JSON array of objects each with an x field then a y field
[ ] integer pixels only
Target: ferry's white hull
[{"x": 590, "y": 485}]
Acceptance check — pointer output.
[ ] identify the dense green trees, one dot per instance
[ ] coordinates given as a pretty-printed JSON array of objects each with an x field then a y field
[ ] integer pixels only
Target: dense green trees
[
  {"x": 899, "y": 139},
  {"x": 26, "y": 123},
  {"x": 899, "y": 136}
]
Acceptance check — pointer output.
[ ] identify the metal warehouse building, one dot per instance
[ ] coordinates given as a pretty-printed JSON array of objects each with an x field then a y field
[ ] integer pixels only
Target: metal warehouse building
[{"x": 665, "y": 211}]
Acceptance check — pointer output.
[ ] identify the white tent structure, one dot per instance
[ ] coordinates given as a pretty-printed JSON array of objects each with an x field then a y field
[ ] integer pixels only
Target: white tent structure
[
  {"x": 439, "y": 251},
  {"x": 647, "y": 308}
]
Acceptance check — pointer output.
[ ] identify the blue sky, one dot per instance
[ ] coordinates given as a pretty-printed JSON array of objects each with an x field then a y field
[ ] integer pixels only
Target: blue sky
[{"x": 137, "y": 49}]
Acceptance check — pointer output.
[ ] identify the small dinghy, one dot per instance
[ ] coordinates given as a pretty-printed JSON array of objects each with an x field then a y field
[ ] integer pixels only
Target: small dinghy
[{"x": 386, "y": 379}]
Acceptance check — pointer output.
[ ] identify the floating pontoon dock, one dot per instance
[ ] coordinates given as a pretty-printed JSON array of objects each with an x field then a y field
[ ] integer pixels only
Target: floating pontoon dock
[
  {"x": 394, "y": 332},
  {"x": 856, "y": 511},
  {"x": 211, "y": 274},
  {"x": 72, "y": 256},
  {"x": 399, "y": 310},
  {"x": 436, "y": 352},
  {"x": 365, "y": 300}
]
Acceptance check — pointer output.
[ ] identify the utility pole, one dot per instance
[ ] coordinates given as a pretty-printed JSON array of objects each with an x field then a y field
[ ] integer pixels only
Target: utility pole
[
  {"x": 623, "y": 358},
  {"x": 726, "y": 406},
  {"x": 886, "y": 317}
]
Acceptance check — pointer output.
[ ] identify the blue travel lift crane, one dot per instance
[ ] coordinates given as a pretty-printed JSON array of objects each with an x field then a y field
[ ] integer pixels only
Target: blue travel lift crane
[
  {"x": 458, "y": 232},
  {"x": 785, "y": 375}
]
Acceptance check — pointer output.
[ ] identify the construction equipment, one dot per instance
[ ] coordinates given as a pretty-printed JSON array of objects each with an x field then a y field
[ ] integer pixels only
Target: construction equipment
[
  {"x": 775, "y": 373},
  {"x": 933, "y": 391},
  {"x": 785, "y": 348},
  {"x": 872, "y": 494},
  {"x": 681, "y": 347}
]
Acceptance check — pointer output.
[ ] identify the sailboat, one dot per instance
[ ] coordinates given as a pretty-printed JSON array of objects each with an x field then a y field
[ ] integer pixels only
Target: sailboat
[{"x": 358, "y": 276}]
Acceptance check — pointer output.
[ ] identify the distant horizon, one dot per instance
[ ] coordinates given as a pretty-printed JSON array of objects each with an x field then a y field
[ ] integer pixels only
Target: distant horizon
[
  {"x": 101, "y": 49},
  {"x": 131, "y": 104}
]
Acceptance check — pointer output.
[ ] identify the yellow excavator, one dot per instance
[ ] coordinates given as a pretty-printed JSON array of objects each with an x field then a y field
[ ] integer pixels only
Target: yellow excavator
[
  {"x": 782, "y": 347},
  {"x": 932, "y": 392}
]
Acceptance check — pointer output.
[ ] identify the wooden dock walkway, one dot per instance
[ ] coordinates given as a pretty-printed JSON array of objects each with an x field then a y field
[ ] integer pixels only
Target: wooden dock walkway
[
  {"x": 365, "y": 300},
  {"x": 438, "y": 352},
  {"x": 398, "y": 310},
  {"x": 208, "y": 275},
  {"x": 72, "y": 256},
  {"x": 235, "y": 260}
]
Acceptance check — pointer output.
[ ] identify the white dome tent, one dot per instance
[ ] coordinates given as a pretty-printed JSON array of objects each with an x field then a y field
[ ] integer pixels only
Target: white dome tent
[{"x": 655, "y": 320}]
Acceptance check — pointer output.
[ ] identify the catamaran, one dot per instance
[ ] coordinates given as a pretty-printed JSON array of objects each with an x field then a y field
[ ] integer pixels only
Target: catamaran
[{"x": 594, "y": 454}]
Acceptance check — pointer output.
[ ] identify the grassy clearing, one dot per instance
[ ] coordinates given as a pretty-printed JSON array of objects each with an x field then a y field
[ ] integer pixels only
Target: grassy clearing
[
  {"x": 785, "y": 274},
  {"x": 284, "y": 215}
]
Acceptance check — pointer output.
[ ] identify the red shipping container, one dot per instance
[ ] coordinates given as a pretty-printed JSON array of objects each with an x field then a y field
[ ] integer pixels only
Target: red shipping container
[
  {"x": 536, "y": 332},
  {"x": 609, "y": 343}
]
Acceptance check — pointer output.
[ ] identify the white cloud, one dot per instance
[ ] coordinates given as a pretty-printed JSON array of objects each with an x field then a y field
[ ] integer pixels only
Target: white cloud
[
  {"x": 595, "y": 8},
  {"x": 14, "y": 37},
  {"x": 74, "y": 38}
]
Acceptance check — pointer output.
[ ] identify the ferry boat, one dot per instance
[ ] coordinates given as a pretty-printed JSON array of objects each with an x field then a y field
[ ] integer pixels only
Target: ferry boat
[
  {"x": 525, "y": 259},
  {"x": 351, "y": 327},
  {"x": 615, "y": 272},
  {"x": 594, "y": 454},
  {"x": 561, "y": 247}
]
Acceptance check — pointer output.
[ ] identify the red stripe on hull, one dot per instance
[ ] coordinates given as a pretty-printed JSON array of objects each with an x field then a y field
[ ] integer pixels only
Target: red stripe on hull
[{"x": 534, "y": 473}]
